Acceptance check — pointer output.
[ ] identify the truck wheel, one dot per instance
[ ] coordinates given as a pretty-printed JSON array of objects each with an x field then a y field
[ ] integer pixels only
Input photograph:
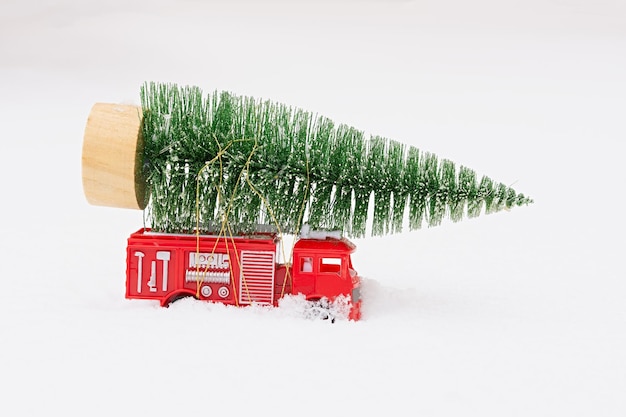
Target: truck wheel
[
  {"x": 178, "y": 296},
  {"x": 319, "y": 309}
]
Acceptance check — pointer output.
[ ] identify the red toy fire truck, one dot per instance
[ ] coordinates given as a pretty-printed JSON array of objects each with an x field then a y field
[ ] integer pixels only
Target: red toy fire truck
[{"x": 240, "y": 270}]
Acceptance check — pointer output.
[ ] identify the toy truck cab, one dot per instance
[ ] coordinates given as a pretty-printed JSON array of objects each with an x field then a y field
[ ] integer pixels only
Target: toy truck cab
[{"x": 322, "y": 268}]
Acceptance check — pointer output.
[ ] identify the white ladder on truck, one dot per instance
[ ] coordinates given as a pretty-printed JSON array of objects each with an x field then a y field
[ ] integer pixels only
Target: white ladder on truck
[{"x": 257, "y": 277}]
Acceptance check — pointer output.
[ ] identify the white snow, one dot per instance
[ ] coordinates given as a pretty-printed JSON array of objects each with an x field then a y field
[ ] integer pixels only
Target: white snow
[{"x": 519, "y": 313}]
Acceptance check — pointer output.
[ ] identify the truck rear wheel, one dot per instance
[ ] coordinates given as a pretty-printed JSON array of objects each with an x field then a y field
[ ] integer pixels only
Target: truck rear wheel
[{"x": 177, "y": 296}]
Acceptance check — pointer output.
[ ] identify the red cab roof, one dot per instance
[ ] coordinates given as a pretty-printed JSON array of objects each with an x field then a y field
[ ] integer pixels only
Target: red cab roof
[{"x": 329, "y": 244}]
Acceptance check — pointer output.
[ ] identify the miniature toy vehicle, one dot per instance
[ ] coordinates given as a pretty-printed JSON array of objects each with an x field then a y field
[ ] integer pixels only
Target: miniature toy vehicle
[{"x": 240, "y": 270}]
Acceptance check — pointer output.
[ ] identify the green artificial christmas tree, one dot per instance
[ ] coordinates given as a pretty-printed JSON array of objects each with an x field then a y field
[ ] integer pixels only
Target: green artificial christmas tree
[{"x": 226, "y": 163}]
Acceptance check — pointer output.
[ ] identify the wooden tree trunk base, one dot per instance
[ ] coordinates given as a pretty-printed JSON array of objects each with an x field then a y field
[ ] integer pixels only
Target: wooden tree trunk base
[{"x": 113, "y": 157}]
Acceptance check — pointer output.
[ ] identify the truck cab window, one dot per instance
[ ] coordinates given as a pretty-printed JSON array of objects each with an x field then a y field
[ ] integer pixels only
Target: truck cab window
[
  {"x": 330, "y": 265},
  {"x": 306, "y": 264}
]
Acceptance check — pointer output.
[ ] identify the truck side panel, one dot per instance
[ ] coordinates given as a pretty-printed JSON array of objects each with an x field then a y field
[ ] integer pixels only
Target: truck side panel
[{"x": 227, "y": 270}]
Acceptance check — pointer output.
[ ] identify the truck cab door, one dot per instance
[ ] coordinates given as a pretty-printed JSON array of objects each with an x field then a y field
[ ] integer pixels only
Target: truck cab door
[{"x": 331, "y": 279}]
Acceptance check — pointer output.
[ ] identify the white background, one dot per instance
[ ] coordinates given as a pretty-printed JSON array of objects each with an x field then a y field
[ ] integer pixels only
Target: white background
[{"x": 520, "y": 313}]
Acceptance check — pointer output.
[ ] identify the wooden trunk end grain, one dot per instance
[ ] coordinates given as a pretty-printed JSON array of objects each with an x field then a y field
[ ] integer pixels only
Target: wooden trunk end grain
[{"x": 113, "y": 157}]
